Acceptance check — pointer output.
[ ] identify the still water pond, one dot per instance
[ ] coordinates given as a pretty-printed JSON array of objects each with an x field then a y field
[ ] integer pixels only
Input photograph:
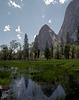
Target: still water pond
[
  {"x": 28, "y": 89},
  {"x": 23, "y": 88}
]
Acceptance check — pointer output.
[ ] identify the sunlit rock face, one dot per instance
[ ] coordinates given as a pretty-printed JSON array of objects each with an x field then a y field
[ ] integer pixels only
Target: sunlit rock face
[
  {"x": 71, "y": 21},
  {"x": 46, "y": 34}
]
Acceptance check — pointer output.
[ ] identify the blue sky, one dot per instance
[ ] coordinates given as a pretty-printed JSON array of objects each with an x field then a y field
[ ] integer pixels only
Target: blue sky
[{"x": 18, "y": 17}]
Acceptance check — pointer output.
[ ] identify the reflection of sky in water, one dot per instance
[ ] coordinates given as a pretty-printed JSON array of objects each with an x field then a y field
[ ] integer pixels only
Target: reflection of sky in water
[{"x": 24, "y": 89}]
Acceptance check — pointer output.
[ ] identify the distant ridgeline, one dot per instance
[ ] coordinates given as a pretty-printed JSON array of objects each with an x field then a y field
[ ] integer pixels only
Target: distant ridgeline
[{"x": 69, "y": 26}]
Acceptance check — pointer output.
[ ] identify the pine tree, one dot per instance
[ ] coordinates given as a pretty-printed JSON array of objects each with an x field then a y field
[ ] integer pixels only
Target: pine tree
[
  {"x": 77, "y": 53},
  {"x": 26, "y": 47},
  {"x": 57, "y": 54},
  {"x": 73, "y": 52},
  {"x": 73, "y": 49},
  {"x": 47, "y": 52},
  {"x": 38, "y": 53},
  {"x": 26, "y": 41},
  {"x": 62, "y": 47},
  {"x": 68, "y": 38},
  {"x": 67, "y": 46},
  {"x": 77, "y": 35},
  {"x": 52, "y": 50},
  {"x": 4, "y": 52},
  {"x": 35, "y": 50},
  {"x": 66, "y": 51}
]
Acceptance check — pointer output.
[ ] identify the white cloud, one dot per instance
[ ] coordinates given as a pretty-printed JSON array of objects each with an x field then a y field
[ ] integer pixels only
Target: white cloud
[
  {"x": 47, "y": 2},
  {"x": 11, "y": 3},
  {"x": 35, "y": 36},
  {"x": 7, "y": 28},
  {"x": 49, "y": 21},
  {"x": 62, "y": 1},
  {"x": 18, "y": 30},
  {"x": 19, "y": 37}
]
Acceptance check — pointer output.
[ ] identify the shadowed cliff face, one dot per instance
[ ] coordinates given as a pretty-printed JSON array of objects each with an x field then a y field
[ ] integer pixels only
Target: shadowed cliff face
[
  {"x": 71, "y": 20},
  {"x": 45, "y": 35}
]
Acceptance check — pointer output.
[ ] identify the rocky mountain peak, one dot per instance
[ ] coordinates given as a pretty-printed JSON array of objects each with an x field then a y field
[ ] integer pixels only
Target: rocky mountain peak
[
  {"x": 46, "y": 34},
  {"x": 46, "y": 29}
]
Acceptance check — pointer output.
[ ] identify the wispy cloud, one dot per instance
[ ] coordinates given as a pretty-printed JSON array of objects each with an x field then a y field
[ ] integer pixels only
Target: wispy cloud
[
  {"x": 54, "y": 2},
  {"x": 18, "y": 30},
  {"x": 22, "y": 2},
  {"x": 49, "y": 21},
  {"x": 47, "y": 2},
  {"x": 11, "y": 3},
  {"x": 7, "y": 28},
  {"x": 62, "y": 1},
  {"x": 19, "y": 37}
]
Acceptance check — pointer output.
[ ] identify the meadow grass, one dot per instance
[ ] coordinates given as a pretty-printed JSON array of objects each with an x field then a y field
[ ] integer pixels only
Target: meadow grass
[
  {"x": 5, "y": 77},
  {"x": 55, "y": 71}
]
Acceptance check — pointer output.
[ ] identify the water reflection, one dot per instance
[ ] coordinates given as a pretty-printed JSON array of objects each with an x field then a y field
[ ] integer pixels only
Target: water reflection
[{"x": 25, "y": 89}]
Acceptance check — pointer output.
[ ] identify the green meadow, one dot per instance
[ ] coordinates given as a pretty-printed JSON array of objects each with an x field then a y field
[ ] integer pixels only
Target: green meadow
[{"x": 55, "y": 71}]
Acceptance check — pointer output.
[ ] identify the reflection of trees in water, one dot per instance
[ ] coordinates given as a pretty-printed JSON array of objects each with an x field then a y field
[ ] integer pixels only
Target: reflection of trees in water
[
  {"x": 26, "y": 83},
  {"x": 53, "y": 91},
  {"x": 26, "y": 77},
  {"x": 47, "y": 91},
  {"x": 73, "y": 90},
  {"x": 0, "y": 93}
]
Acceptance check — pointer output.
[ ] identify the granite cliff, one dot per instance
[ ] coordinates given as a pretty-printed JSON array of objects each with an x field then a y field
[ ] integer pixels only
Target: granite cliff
[
  {"x": 71, "y": 21},
  {"x": 46, "y": 34}
]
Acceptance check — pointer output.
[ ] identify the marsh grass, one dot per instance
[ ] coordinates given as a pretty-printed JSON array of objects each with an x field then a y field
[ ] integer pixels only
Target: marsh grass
[
  {"x": 33, "y": 71},
  {"x": 5, "y": 77}
]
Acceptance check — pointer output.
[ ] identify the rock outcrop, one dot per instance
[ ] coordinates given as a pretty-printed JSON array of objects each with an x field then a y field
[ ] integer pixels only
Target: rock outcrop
[{"x": 71, "y": 21}]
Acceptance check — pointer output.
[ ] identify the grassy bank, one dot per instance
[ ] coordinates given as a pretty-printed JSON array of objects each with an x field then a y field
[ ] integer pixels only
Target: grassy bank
[
  {"x": 55, "y": 71},
  {"x": 5, "y": 77}
]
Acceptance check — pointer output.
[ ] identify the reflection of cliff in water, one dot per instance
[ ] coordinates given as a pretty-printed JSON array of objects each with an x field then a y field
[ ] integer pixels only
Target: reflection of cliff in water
[
  {"x": 23, "y": 89},
  {"x": 47, "y": 88}
]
